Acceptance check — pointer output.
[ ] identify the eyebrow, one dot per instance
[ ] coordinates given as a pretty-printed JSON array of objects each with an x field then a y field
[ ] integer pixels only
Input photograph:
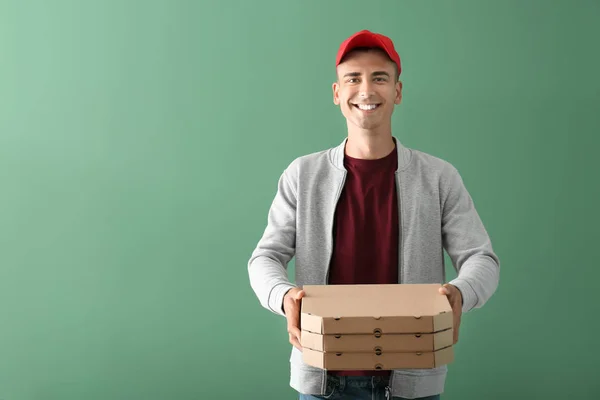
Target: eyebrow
[{"x": 376, "y": 73}]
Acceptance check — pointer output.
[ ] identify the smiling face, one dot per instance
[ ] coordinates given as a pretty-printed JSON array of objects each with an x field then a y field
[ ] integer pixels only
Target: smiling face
[{"x": 367, "y": 90}]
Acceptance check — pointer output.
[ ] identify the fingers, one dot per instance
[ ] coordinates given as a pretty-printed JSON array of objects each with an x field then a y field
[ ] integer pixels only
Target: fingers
[
  {"x": 294, "y": 296},
  {"x": 453, "y": 295},
  {"x": 447, "y": 289},
  {"x": 293, "y": 320},
  {"x": 293, "y": 313},
  {"x": 456, "y": 331},
  {"x": 457, "y": 318},
  {"x": 296, "y": 334},
  {"x": 295, "y": 341},
  {"x": 293, "y": 317},
  {"x": 452, "y": 292}
]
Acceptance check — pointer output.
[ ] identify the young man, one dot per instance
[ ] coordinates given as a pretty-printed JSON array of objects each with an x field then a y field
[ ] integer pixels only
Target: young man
[{"x": 370, "y": 211}]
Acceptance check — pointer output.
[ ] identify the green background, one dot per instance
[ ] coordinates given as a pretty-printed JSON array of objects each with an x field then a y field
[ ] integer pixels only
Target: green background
[{"x": 140, "y": 147}]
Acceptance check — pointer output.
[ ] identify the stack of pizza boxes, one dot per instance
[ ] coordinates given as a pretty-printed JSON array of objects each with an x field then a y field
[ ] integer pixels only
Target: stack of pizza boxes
[{"x": 376, "y": 327}]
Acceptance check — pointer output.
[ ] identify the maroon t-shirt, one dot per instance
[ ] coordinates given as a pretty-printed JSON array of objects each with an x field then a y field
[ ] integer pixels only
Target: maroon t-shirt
[{"x": 365, "y": 231}]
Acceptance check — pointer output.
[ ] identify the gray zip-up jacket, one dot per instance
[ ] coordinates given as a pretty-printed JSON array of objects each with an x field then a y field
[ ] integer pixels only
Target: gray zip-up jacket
[{"x": 436, "y": 212}]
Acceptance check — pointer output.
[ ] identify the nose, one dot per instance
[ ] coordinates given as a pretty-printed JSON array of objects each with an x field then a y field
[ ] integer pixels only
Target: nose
[{"x": 366, "y": 89}]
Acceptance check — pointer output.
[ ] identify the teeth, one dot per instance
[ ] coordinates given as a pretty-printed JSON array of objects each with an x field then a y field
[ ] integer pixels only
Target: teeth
[{"x": 367, "y": 107}]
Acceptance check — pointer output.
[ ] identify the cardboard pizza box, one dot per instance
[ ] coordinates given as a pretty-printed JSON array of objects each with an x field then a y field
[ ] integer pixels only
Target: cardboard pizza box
[
  {"x": 349, "y": 327},
  {"x": 375, "y": 309},
  {"x": 377, "y": 342},
  {"x": 340, "y": 361}
]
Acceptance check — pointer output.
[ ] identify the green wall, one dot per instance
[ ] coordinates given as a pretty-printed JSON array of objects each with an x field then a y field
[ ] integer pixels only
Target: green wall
[{"x": 140, "y": 147}]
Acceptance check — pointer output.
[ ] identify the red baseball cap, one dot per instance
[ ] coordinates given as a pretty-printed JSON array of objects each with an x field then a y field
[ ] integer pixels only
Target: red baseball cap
[{"x": 367, "y": 38}]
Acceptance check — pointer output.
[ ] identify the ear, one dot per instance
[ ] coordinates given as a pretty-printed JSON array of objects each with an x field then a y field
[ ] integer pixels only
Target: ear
[
  {"x": 336, "y": 97},
  {"x": 398, "y": 98}
]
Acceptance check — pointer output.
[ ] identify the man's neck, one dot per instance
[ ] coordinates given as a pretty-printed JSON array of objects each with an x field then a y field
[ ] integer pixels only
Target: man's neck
[{"x": 369, "y": 146}]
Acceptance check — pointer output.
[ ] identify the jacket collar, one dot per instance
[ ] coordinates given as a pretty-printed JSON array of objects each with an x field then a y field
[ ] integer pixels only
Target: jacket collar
[{"x": 337, "y": 154}]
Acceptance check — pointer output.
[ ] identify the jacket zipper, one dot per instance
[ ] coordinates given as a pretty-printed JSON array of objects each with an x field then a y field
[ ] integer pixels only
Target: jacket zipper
[
  {"x": 400, "y": 231},
  {"x": 388, "y": 389}
]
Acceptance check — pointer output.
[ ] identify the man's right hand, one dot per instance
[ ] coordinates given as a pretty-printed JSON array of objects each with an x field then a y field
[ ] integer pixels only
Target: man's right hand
[{"x": 292, "y": 302}]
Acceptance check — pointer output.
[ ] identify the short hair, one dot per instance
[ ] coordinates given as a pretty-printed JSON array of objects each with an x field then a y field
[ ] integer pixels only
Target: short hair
[{"x": 366, "y": 49}]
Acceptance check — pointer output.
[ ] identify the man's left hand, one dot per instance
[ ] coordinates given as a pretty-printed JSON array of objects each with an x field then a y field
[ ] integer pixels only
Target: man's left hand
[{"x": 455, "y": 298}]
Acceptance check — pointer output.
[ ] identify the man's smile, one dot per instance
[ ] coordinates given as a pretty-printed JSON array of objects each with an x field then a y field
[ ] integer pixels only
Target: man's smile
[{"x": 366, "y": 107}]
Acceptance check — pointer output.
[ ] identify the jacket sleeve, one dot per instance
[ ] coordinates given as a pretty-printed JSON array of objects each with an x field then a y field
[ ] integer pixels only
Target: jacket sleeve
[
  {"x": 468, "y": 244},
  {"x": 267, "y": 267}
]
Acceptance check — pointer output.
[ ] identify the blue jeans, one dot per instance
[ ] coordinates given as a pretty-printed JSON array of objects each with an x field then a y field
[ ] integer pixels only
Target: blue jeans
[{"x": 357, "y": 388}]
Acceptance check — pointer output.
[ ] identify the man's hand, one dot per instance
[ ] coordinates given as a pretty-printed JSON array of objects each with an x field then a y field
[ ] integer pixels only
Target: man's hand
[
  {"x": 291, "y": 306},
  {"x": 456, "y": 301}
]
